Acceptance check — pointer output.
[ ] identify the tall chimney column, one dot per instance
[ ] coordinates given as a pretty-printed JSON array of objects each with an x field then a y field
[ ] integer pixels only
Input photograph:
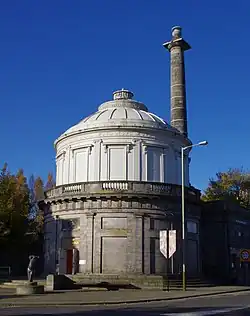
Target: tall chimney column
[{"x": 176, "y": 47}]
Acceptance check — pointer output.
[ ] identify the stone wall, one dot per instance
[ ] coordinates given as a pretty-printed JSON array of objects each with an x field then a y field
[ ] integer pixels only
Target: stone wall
[{"x": 118, "y": 234}]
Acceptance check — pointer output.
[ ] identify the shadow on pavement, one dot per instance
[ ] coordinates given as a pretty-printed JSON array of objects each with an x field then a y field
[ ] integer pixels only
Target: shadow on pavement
[{"x": 150, "y": 311}]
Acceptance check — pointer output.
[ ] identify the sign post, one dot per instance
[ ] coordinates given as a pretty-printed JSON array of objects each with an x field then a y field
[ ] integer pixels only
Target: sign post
[
  {"x": 245, "y": 255},
  {"x": 167, "y": 243}
]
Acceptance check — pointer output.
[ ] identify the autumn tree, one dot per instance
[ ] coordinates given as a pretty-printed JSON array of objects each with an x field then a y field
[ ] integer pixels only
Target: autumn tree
[
  {"x": 233, "y": 185},
  {"x": 50, "y": 182},
  {"x": 21, "y": 220},
  {"x": 14, "y": 203}
]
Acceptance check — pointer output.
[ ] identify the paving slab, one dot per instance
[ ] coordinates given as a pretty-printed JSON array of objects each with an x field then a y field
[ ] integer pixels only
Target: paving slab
[{"x": 81, "y": 297}]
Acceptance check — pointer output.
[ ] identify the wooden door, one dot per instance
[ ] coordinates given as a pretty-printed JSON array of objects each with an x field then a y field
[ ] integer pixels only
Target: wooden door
[{"x": 69, "y": 266}]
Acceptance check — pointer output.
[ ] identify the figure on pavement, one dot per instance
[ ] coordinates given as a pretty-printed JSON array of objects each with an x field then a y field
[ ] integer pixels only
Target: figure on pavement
[{"x": 31, "y": 267}]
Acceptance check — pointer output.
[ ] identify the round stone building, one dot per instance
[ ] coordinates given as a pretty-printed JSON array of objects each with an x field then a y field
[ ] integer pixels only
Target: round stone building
[{"x": 118, "y": 183}]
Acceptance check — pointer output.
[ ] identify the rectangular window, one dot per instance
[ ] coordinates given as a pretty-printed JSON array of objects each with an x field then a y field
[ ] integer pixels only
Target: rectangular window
[
  {"x": 192, "y": 227},
  {"x": 117, "y": 163},
  {"x": 81, "y": 165},
  {"x": 70, "y": 224},
  {"x": 153, "y": 164},
  {"x": 59, "y": 171},
  {"x": 152, "y": 224}
]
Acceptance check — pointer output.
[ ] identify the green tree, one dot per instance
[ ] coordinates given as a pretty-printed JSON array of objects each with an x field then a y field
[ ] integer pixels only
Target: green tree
[
  {"x": 21, "y": 221},
  {"x": 14, "y": 203},
  {"x": 6, "y": 200},
  {"x": 36, "y": 195},
  {"x": 233, "y": 185}
]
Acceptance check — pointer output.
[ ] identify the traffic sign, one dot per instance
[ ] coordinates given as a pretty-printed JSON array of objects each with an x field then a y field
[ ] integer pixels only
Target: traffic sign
[
  {"x": 167, "y": 243},
  {"x": 245, "y": 255}
]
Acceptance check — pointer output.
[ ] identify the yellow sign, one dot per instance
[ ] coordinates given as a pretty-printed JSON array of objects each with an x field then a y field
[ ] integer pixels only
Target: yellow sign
[
  {"x": 245, "y": 255},
  {"x": 75, "y": 241}
]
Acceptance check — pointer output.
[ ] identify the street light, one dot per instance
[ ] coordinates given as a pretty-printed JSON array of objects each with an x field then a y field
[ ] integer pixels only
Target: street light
[{"x": 183, "y": 222}]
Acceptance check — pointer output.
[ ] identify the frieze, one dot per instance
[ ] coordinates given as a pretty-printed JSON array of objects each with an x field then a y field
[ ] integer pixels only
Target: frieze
[
  {"x": 80, "y": 142},
  {"x": 162, "y": 188},
  {"x": 130, "y": 207},
  {"x": 123, "y": 133}
]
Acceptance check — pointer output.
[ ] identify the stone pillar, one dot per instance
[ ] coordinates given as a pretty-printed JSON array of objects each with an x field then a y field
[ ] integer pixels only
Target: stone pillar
[
  {"x": 138, "y": 243},
  {"x": 176, "y": 47},
  {"x": 90, "y": 242},
  {"x": 147, "y": 235}
]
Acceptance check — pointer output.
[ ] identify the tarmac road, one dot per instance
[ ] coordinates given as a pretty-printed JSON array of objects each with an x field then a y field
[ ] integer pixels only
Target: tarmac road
[{"x": 236, "y": 304}]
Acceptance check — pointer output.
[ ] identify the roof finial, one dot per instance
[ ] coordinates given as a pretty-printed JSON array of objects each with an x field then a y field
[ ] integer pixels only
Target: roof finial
[
  {"x": 123, "y": 94},
  {"x": 176, "y": 32}
]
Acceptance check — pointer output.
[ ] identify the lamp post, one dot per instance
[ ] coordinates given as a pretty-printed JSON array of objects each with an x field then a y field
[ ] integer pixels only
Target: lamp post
[
  {"x": 183, "y": 221},
  {"x": 56, "y": 244}
]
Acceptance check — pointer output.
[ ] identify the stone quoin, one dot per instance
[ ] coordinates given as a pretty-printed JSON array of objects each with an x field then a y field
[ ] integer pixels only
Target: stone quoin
[{"x": 118, "y": 183}]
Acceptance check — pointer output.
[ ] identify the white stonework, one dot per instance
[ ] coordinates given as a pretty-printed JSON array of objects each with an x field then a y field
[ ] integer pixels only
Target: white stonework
[
  {"x": 121, "y": 141},
  {"x": 117, "y": 186}
]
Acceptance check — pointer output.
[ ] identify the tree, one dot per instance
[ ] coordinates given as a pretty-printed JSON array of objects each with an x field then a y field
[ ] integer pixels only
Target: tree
[
  {"x": 36, "y": 215},
  {"x": 50, "y": 182},
  {"x": 6, "y": 201},
  {"x": 21, "y": 221},
  {"x": 232, "y": 185},
  {"x": 14, "y": 203}
]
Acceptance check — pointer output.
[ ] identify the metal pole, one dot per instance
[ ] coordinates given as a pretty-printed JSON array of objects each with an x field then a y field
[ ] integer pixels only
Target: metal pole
[
  {"x": 56, "y": 244},
  {"x": 183, "y": 222}
]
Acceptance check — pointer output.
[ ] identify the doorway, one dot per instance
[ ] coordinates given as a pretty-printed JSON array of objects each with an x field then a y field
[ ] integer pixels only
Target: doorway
[
  {"x": 72, "y": 261},
  {"x": 69, "y": 261}
]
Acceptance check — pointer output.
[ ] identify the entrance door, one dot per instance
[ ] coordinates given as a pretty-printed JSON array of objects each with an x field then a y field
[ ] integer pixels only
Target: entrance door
[
  {"x": 192, "y": 257},
  {"x": 69, "y": 265}
]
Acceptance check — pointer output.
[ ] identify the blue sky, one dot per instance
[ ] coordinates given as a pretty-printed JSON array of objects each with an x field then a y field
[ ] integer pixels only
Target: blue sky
[{"x": 60, "y": 59}]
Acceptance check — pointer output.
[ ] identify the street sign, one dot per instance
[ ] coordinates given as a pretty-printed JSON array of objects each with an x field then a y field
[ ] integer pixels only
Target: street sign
[
  {"x": 167, "y": 242},
  {"x": 164, "y": 243},
  {"x": 171, "y": 242},
  {"x": 245, "y": 255}
]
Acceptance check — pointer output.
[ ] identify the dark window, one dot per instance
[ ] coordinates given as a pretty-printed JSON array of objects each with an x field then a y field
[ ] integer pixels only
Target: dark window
[
  {"x": 152, "y": 223},
  {"x": 70, "y": 224},
  {"x": 152, "y": 255}
]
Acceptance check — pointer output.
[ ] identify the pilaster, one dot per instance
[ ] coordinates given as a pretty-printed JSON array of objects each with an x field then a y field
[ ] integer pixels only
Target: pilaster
[{"x": 90, "y": 221}]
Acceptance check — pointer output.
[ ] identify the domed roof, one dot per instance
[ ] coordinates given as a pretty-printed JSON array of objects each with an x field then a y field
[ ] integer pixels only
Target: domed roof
[{"x": 122, "y": 111}]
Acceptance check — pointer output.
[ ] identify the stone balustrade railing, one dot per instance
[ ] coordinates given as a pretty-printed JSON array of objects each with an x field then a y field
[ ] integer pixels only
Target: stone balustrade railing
[
  {"x": 131, "y": 187},
  {"x": 72, "y": 188},
  {"x": 115, "y": 185}
]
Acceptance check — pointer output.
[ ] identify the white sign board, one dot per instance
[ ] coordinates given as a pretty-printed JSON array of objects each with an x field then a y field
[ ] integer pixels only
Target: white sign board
[
  {"x": 82, "y": 262},
  {"x": 164, "y": 243},
  {"x": 167, "y": 242},
  {"x": 171, "y": 242}
]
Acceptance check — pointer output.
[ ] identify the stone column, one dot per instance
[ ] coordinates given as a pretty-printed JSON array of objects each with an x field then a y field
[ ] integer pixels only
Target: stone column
[
  {"x": 90, "y": 242},
  {"x": 147, "y": 235},
  {"x": 176, "y": 47},
  {"x": 139, "y": 243}
]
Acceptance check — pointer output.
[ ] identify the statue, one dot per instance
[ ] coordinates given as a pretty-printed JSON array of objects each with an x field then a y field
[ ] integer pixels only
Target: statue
[{"x": 31, "y": 267}]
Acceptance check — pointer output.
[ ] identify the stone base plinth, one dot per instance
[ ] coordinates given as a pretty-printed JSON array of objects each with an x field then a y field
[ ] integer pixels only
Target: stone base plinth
[
  {"x": 29, "y": 289},
  {"x": 126, "y": 281}
]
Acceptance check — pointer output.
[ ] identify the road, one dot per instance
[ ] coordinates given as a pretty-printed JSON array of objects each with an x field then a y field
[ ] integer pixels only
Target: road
[{"x": 237, "y": 304}]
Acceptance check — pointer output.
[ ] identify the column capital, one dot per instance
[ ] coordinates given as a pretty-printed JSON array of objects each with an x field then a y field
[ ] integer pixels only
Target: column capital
[
  {"x": 177, "y": 40},
  {"x": 90, "y": 214}
]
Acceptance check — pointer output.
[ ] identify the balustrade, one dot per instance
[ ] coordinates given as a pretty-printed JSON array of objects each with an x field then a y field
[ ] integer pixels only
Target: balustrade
[{"x": 130, "y": 186}]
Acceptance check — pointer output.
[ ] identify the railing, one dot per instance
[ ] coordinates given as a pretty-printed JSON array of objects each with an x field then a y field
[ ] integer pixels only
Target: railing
[
  {"x": 118, "y": 186},
  {"x": 72, "y": 188},
  {"x": 133, "y": 187}
]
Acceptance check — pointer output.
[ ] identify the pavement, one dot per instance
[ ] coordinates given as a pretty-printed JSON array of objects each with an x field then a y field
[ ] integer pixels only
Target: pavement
[
  {"x": 8, "y": 298},
  {"x": 228, "y": 304}
]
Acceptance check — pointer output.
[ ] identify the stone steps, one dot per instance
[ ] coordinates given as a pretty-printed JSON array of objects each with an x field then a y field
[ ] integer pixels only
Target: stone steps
[{"x": 136, "y": 282}]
